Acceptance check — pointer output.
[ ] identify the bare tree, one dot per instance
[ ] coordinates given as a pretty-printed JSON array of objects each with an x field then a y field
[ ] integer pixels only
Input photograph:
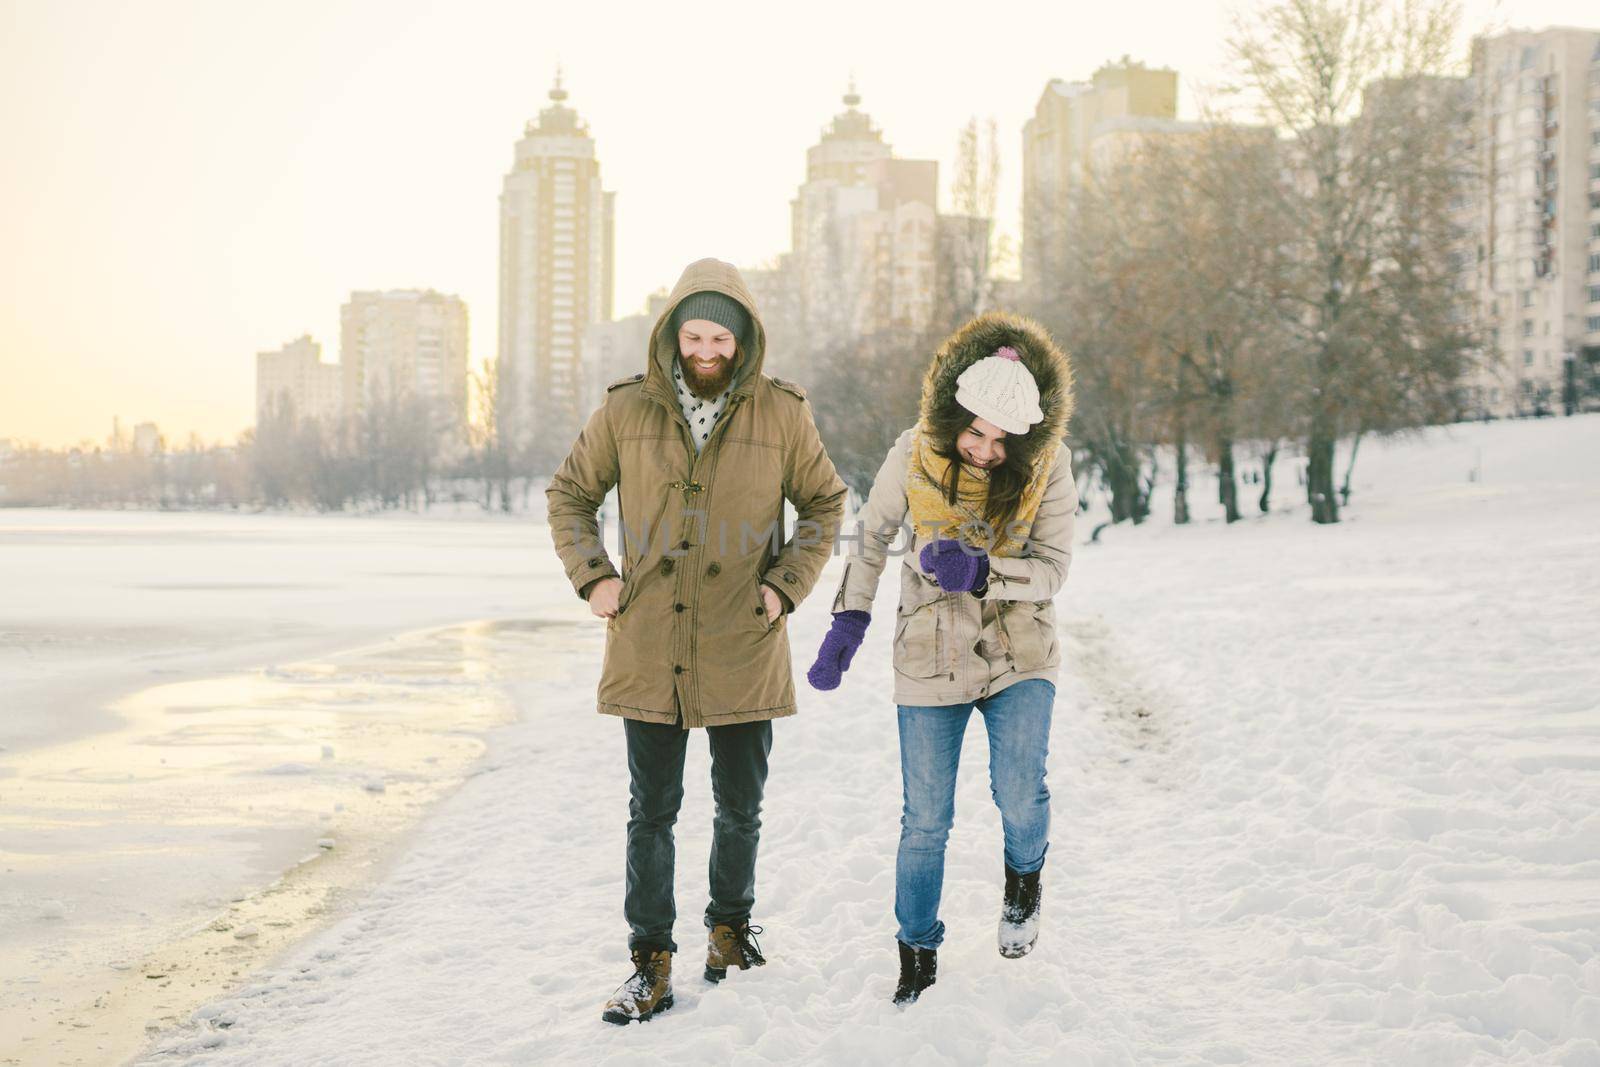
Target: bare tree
[
  {"x": 864, "y": 395},
  {"x": 1354, "y": 87},
  {"x": 1100, "y": 306},
  {"x": 1214, "y": 255},
  {"x": 274, "y": 467},
  {"x": 966, "y": 253},
  {"x": 490, "y": 449}
]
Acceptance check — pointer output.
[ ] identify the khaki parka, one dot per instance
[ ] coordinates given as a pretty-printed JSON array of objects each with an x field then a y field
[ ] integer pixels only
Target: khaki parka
[{"x": 700, "y": 533}]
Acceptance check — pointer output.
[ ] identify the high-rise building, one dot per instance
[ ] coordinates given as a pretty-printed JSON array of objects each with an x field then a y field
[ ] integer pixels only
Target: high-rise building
[
  {"x": 617, "y": 348},
  {"x": 147, "y": 440},
  {"x": 555, "y": 274},
  {"x": 1076, "y": 126},
  {"x": 1536, "y": 219},
  {"x": 296, "y": 375},
  {"x": 772, "y": 285},
  {"x": 399, "y": 343},
  {"x": 865, "y": 234}
]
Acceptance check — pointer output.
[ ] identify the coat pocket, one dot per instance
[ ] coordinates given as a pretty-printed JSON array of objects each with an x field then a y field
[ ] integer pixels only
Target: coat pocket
[
  {"x": 630, "y": 582},
  {"x": 630, "y": 585},
  {"x": 918, "y": 642},
  {"x": 1030, "y": 627},
  {"x": 764, "y": 620}
]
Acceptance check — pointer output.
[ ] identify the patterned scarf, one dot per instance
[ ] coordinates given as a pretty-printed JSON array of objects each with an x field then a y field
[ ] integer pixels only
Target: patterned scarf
[
  {"x": 935, "y": 516},
  {"x": 702, "y": 414}
]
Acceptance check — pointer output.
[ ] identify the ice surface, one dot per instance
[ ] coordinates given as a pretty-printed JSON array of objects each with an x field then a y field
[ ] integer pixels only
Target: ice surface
[{"x": 168, "y": 752}]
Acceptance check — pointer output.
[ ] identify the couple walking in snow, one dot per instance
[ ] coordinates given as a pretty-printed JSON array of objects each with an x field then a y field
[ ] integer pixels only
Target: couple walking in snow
[{"x": 703, "y": 450}]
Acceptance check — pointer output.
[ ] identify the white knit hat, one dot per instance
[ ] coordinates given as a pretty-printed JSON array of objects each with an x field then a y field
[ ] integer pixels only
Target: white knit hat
[{"x": 1000, "y": 389}]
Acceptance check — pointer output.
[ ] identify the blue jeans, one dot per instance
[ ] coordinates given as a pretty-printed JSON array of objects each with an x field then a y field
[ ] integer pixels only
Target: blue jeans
[{"x": 1018, "y": 722}]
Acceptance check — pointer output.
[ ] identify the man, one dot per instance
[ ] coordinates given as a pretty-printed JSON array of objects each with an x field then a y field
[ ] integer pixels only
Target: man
[{"x": 703, "y": 449}]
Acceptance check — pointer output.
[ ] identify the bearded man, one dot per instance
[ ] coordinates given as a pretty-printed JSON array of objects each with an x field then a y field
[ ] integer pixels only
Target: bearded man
[{"x": 703, "y": 449}]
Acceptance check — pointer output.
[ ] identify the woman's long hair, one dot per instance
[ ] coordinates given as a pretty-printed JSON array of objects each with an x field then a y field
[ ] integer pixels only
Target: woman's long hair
[{"x": 1006, "y": 482}]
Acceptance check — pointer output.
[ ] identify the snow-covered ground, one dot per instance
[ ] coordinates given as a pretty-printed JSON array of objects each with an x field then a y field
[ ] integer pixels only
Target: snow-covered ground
[{"x": 1322, "y": 795}]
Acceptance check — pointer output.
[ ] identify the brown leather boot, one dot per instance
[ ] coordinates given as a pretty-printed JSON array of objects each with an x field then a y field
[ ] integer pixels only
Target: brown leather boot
[
  {"x": 732, "y": 946},
  {"x": 647, "y": 993}
]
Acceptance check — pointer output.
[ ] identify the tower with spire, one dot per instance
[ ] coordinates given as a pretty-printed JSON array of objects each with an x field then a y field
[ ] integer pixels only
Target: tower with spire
[
  {"x": 556, "y": 240},
  {"x": 864, "y": 233},
  {"x": 849, "y": 144}
]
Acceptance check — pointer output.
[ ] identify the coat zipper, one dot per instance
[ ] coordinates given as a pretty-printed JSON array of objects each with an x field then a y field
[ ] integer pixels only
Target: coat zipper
[
  {"x": 939, "y": 627},
  {"x": 1005, "y": 634}
]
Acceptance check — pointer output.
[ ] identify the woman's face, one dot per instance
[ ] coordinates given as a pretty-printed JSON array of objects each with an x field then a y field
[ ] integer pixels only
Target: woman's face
[{"x": 983, "y": 444}]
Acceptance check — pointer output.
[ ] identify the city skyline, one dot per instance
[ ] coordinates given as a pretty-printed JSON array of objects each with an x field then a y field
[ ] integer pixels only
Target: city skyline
[{"x": 190, "y": 197}]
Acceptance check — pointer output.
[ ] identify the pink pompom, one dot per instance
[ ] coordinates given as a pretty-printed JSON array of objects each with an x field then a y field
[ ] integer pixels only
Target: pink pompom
[{"x": 1007, "y": 352}]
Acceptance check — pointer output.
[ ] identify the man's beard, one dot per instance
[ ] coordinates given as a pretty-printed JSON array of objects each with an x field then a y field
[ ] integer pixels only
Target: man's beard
[{"x": 708, "y": 388}]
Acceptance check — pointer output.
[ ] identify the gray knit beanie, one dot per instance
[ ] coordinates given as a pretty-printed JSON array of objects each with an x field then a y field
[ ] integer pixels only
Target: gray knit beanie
[{"x": 714, "y": 307}]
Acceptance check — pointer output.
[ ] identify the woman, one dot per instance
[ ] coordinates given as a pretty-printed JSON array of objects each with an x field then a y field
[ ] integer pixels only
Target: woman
[{"x": 988, "y": 487}]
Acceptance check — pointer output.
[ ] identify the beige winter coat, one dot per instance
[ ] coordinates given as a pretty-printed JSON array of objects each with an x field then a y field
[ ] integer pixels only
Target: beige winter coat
[
  {"x": 952, "y": 648},
  {"x": 692, "y": 635}
]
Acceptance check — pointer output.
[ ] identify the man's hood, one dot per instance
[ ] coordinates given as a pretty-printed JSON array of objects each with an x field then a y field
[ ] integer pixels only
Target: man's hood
[
  {"x": 979, "y": 338},
  {"x": 715, "y": 276}
]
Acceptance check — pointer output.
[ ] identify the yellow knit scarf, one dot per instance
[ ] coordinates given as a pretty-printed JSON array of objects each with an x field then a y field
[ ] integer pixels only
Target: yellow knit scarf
[{"x": 934, "y": 516}]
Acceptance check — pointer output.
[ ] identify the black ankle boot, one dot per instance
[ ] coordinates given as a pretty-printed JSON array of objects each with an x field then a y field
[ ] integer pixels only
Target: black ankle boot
[
  {"x": 1019, "y": 914},
  {"x": 919, "y": 969}
]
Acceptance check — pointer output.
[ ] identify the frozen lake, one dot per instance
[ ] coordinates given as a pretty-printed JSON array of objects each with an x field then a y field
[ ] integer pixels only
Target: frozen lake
[
  {"x": 96, "y": 604},
  {"x": 219, "y": 725}
]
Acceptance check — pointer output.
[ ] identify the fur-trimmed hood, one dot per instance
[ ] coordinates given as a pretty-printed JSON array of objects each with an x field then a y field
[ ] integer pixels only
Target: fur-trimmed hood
[{"x": 1050, "y": 367}]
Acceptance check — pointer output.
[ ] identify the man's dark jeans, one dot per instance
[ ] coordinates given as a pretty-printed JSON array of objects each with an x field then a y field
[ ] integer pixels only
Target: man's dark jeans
[{"x": 738, "y": 776}]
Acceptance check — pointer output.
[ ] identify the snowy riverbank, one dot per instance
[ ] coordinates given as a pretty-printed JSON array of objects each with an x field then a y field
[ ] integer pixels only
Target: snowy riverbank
[
  {"x": 191, "y": 704},
  {"x": 1321, "y": 796}
]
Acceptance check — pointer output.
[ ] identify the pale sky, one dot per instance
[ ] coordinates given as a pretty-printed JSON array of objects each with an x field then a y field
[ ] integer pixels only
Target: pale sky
[{"x": 184, "y": 184}]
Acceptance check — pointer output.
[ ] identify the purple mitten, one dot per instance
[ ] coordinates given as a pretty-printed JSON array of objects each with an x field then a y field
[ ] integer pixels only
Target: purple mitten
[
  {"x": 838, "y": 648},
  {"x": 956, "y": 568}
]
